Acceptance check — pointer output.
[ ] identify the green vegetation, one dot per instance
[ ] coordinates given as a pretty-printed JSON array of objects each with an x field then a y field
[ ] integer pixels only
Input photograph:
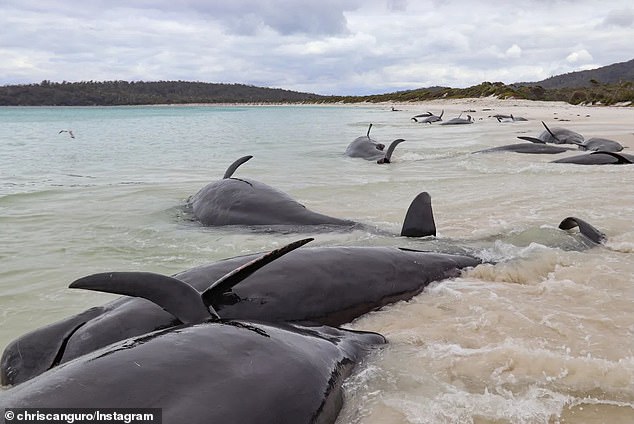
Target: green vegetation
[
  {"x": 597, "y": 93},
  {"x": 116, "y": 93}
]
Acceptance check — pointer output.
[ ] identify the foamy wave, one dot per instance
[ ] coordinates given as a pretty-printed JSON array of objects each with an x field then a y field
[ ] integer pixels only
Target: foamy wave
[{"x": 529, "y": 264}]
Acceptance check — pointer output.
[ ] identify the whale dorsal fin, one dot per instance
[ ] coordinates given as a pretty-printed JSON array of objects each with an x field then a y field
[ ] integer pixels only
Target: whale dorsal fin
[
  {"x": 584, "y": 228},
  {"x": 368, "y": 133},
  {"x": 441, "y": 113},
  {"x": 621, "y": 159},
  {"x": 388, "y": 156},
  {"x": 175, "y": 296},
  {"x": 531, "y": 139},
  {"x": 419, "y": 220},
  {"x": 227, "y": 281},
  {"x": 550, "y": 132},
  {"x": 232, "y": 168}
]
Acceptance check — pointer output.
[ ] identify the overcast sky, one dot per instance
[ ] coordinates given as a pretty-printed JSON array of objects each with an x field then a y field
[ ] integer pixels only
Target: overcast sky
[{"x": 320, "y": 46}]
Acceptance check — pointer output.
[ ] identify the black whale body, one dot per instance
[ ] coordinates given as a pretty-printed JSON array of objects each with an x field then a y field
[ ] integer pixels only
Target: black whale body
[
  {"x": 211, "y": 372},
  {"x": 328, "y": 285},
  {"x": 529, "y": 148},
  {"x": 599, "y": 158},
  {"x": 366, "y": 148},
  {"x": 233, "y": 201}
]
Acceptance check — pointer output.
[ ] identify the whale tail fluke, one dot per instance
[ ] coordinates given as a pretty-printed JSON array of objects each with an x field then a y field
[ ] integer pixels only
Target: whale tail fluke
[
  {"x": 584, "y": 228},
  {"x": 388, "y": 155},
  {"x": 232, "y": 168},
  {"x": 419, "y": 220}
]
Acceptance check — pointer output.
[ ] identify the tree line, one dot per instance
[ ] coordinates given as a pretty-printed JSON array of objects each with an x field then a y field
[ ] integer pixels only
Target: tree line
[{"x": 116, "y": 93}]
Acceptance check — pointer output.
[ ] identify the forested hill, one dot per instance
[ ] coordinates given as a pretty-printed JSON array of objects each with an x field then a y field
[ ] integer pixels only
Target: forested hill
[
  {"x": 114, "y": 93},
  {"x": 610, "y": 74}
]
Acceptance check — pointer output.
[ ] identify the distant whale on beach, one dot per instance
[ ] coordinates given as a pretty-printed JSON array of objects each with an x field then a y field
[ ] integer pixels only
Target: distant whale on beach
[
  {"x": 599, "y": 158},
  {"x": 531, "y": 148},
  {"x": 368, "y": 149},
  {"x": 428, "y": 117},
  {"x": 556, "y": 135},
  {"x": 246, "y": 202},
  {"x": 458, "y": 121}
]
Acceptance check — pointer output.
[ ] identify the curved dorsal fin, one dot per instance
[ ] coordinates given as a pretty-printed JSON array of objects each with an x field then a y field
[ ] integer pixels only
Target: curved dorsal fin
[
  {"x": 441, "y": 113},
  {"x": 232, "y": 168},
  {"x": 368, "y": 133},
  {"x": 388, "y": 155},
  {"x": 419, "y": 220},
  {"x": 175, "y": 296},
  {"x": 621, "y": 159},
  {"x": 550, "y": 132},
  {"x": 584, "y": 228},
  {"x": 226, "y": 282}
]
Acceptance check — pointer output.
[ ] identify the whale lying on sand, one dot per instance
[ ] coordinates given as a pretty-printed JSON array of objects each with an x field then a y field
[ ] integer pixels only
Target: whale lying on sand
[
  {"x": 428, "y": 117},
  {"x": 597, "y": 144},
  {"x": 210, "y": 372},
  {"x": 599, "y": 158},
  {"x": 532, "y": 148},
  {"x": 458, "y": 121},
  {"x": 368, "y": 149},
  {"x": 327, "y": 285},
  {"x": 556, "y": 136}
]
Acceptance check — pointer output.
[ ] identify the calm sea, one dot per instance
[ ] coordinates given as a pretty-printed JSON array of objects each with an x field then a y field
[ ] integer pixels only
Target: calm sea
[{"x": 544, "y": 336}]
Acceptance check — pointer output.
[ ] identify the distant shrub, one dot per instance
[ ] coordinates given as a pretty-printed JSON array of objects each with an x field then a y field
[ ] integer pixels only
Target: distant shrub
[{"x": 578, "y": 97}]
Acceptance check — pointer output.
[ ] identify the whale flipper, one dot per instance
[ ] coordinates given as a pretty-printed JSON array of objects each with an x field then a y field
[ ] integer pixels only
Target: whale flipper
[
  {"x": 388, "y": 156},
  {"x": 419, "y": 220},
  {"x": 584, "y": 228},
  {"x": 232, "y": 168},
  {"x": 175, "y": 296},
  {"x": 227, "y": 281}
]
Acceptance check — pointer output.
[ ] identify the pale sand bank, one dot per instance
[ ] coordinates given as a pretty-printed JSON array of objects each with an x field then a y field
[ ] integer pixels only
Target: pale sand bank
[{"x": 614, "y": 122}]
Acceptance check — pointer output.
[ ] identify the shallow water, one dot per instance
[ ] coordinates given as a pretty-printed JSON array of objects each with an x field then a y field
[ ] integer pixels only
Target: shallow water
[{"x": 544, "y": 336}]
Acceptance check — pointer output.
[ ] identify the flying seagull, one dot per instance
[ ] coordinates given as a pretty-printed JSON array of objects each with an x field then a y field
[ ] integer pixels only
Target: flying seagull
[{"x": 70, "y": 132}]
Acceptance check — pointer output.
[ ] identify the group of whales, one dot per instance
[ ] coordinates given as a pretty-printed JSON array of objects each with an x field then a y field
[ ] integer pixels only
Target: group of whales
[
  {"x": 247, "y": 339},
  {"x": 603, "y": 151}
]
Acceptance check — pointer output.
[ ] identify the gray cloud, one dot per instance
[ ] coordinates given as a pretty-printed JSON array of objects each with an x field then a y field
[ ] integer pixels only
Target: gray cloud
[{"x": 329, "y": 47}]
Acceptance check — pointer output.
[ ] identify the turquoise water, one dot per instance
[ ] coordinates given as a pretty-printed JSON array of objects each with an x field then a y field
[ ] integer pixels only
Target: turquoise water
[{"x": 545, "y": 335}]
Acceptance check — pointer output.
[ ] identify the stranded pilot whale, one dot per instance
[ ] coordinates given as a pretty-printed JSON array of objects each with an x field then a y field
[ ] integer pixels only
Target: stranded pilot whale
[
  {"x": 599, "y": 158},
  {"x": 368, "y": 149},
  {"x": 326, "y": 285},
  {"x": 210, "y": 370},
  {"x": 233, "y": 201},
  {"x": 241, "y": 201}
]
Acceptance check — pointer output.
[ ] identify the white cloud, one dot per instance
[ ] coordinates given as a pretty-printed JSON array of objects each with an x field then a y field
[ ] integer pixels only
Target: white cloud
[
  {"x": 514, "y": 51},
  {"x": 329, "y": 47},
  {"x": 580, "y": 56}
]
